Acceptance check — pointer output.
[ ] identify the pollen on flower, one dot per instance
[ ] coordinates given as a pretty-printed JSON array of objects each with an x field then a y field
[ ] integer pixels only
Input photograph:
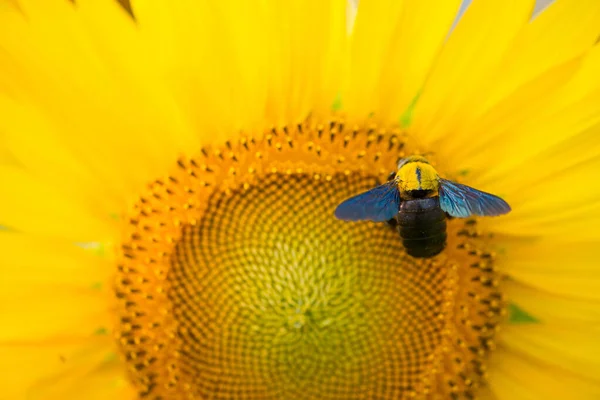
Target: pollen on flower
[{"x": 236, "y": 281}]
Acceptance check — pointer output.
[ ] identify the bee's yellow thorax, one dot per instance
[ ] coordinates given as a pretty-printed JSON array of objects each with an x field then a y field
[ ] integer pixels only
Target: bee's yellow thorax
[{"x": 417, "y": 175}]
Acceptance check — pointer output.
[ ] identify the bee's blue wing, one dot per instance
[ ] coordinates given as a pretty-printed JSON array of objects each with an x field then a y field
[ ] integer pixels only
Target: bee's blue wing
[
  {"x": 379, "y": 204},
  {"x": 463, "y": 201}
]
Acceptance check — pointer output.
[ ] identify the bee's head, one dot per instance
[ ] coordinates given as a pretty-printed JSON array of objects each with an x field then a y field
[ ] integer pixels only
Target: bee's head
[{"x": 416, "y": 158}]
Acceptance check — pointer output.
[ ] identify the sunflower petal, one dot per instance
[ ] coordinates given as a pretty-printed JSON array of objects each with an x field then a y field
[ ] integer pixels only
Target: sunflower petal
[
  {"x": 486, "y": 393},
  {"x": 55, "y": 263},
  {"x": 239, "y": 26},
  {"x": 39, "y": 287},
  {"x": 92, "y": 90},
  {"x": 57, "y": 371},
  {"x": 542, "y": 133},
  {"x": 107, "y": 380},
  {"x": 468, "y": 148},
  {"x": 547, "y": 307},
  {"x": 566, "y": 29},
  {"x": 513, "y": 376},
  {"x": 48, "y": 159},
  {"x": 553, "y": 265},
  {"x": 131, "y": 61},
  {"x": 409, "y": 61},
  {"x": 308, "y": 45},
  {"x": 29, "y": 205},
  {"x": 301, "y": 43},
  {"x": 477, "y": 45},
  {"x": 371, "y": 38},
  {"x": 566, "y": 347},
  {"x": 553, "y": 193},
  {"x": 188, "y": 61}
]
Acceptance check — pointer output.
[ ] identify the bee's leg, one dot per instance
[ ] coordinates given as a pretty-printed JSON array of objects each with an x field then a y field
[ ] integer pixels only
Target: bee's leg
[{"x": 392, "y": 223}]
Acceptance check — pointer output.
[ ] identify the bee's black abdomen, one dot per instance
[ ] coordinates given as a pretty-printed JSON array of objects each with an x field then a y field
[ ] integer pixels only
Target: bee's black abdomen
[{"x": 422, "y": 226}]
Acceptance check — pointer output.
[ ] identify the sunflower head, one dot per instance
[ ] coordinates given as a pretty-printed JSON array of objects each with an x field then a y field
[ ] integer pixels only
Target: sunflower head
[{"x": 253, "y": 287}]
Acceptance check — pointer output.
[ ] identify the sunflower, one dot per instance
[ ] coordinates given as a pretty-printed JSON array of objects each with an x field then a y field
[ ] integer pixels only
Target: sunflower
[{"x": 169, "y": 175}]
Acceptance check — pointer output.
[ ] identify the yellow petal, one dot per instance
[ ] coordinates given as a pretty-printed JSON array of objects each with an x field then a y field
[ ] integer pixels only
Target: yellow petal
[
  {"x": 118, "y": 110},
  {"x": 118, "y": 43},
  {"x": 57, "y": 371},
  {"x": 486, "y": 393},
  {"x": 388, "y": 66},
  {"x": 54, "y": 264},
  {"x": 567, "y": 28},
  {"x": 47, "y": 158},
  {"x": 38, "y": 321},
  {"x": 467, "y": 62},
  {"x": 586, "y": 81},
  {"x": 553, "y": 265},
  {"x": 6, "y": 155},
  {"x": 108, "y": 380},
  {"x": 415, "y": 44},
  {"x": 371, "y": 38},
  {"x": 308, "y": 43},
  {"x": 573, "y": 349},
  {"x": 580, "y": 224},
  {"x": 29, "y": 205},
  {"x": 238, "y": 28},
  {"x": 554, "y": 113},
  {"x": 513, "y": 376},
  {"x": 546, "y": 129},
  {"x": 333, "y": 48},
  {"x": 469, "y": 148},
  {"x": 554, "y": 191},
  {"x": 539, "y": 202},
  {"x": 54, "y": 320},
  {"x": 183, "y": 36},
  {"x": 53, "y": 294},
  {"x": 547, "y": 307},
  {"x": 219, "y": 53},
  {"x": 351, "y": 10}
]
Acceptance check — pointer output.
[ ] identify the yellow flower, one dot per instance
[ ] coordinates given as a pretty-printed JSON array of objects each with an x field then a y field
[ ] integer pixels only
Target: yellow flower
[{"x": 168, "y": 187}]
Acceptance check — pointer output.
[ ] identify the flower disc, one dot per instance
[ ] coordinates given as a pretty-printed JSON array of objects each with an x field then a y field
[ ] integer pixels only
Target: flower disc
[{"x": 237, "y": 282}]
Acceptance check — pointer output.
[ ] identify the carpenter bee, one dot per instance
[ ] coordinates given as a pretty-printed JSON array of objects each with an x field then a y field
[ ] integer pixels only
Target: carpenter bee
[{"x": 418, "y": 201}]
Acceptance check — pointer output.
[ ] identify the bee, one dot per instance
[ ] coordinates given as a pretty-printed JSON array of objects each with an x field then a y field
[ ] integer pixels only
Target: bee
[{"x": 418, "y": 202}]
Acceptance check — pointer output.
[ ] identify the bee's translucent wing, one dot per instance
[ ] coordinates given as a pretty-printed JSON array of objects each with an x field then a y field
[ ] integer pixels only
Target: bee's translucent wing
[
  {"x": 463, "y": 201},
  {"x": 379, "y": 204}
]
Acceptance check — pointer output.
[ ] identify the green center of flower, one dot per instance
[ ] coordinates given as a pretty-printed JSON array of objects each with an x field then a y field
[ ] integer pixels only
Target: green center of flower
[
  {"x": 273, "y": 289},
  {"x": 238, "y": 282}
]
